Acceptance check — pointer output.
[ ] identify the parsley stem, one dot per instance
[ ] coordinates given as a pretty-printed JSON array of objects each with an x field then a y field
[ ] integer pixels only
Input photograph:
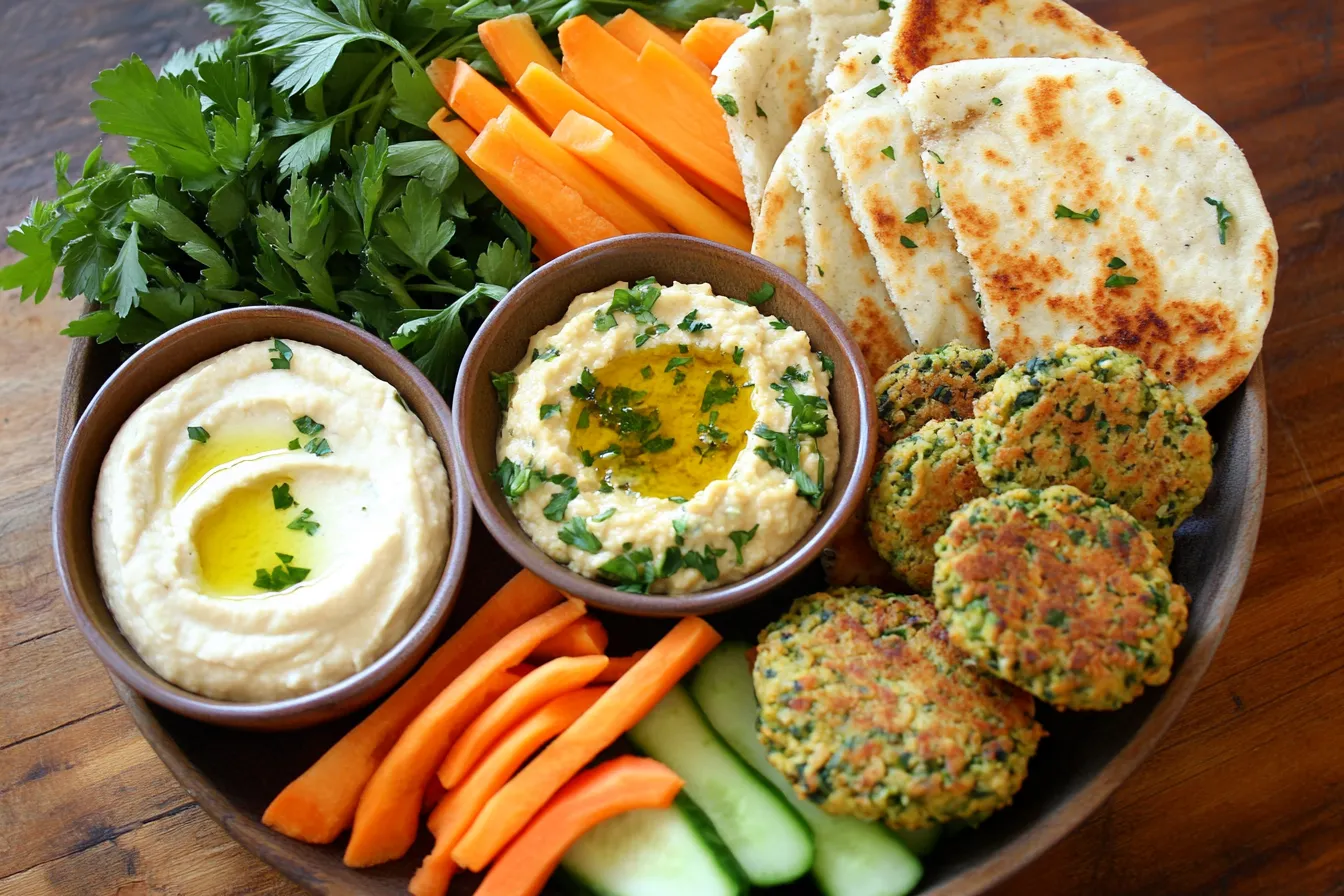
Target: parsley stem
[{"x": 437, "y": 287}]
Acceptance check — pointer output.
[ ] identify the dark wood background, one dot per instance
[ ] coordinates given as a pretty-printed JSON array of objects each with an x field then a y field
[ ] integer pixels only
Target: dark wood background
[{"x": 1244, "y": 796}]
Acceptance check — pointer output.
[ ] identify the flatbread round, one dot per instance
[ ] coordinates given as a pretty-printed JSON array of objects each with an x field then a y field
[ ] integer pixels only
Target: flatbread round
[
  {"x": 832, "y": 23},
  {"x": 1030, "y": 143},
  {"x": 778, "y": 236},
  {"x": 932, "y": 32}
]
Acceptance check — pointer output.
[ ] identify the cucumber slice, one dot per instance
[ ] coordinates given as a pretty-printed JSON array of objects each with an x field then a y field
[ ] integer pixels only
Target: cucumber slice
[
  {"x": 655, "y": 852},
  {"x": 767, "y": 836},
  {"x": 853, "y": 857}
]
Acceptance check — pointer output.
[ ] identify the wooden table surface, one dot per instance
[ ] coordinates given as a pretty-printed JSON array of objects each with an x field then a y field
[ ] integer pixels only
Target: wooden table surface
[{"x": 1245, "y": 794}]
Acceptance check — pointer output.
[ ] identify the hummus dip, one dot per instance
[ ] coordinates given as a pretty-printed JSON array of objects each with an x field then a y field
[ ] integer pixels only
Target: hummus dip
[
  {"x": 666, "y": 439},
  {"x": 269, "y": 523}
]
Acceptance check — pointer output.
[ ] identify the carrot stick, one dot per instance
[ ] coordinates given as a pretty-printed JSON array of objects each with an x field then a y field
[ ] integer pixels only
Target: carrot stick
[
  {"x": 709, "y": 39},
  {"x": 687, "y": 209},
  {"x": 320, "y": 803},
  {"x": 550, "y": 243},
  {"x": 716, "y": 194},
  {"x": 451, "y": 818},
  {"x": 467, "y": 92},
  {"x": 550, "y": 197},
  {"x": 620, "y": 785},
  {"x": 386, "y": 818},
  {"x": 596, "y": 192},
  {"x": 513, "y": 42},
  {"x": 618, "y": 666},
  {"x": 633, "y": 30},
  {"x": 584, "y": 637},
  {"x": 653, "y": 98},
  {"x": 624, "y": 704},
  {"x": 559, "y": 676}
]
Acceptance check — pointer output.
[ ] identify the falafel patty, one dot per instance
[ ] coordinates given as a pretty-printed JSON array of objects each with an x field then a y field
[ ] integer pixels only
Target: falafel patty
[
  {"x": 1060, "y": 593},
  {"x": 1099, "y": 420},
  {"x": 938, "y": 385},
  {"x": 869, "y": 711},
  {"x": 920, "y": 481}
]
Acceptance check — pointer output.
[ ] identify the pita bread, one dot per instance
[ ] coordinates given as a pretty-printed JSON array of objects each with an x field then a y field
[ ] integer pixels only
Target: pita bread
[
  {"x": 778, "y": 237},
  {"x": 877, "y": 157},
  {"x": 832, "y": 23},
  {"x": 1021, "y": 137},
  {"x": 931, "y": 32},
  {"x": 765, "y": 72},
  {"x": 840, "y": 269}
]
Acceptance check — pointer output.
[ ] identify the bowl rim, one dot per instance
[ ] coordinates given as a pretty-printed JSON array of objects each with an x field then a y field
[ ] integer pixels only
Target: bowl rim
[
  {"x": 337, "y": 699},
  {"x": 508, "y": 532}
]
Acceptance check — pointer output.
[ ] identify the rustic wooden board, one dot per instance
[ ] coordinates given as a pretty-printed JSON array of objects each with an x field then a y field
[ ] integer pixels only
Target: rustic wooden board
[{"x": 1243, "y": 796}]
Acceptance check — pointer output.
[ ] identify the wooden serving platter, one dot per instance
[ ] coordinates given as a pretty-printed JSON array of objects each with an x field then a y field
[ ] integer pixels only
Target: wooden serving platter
[{"x": 233, "y": 774}]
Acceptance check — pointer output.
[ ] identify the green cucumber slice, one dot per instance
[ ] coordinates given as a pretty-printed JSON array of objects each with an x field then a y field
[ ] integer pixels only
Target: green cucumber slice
[{"x": 758, "y": 824}]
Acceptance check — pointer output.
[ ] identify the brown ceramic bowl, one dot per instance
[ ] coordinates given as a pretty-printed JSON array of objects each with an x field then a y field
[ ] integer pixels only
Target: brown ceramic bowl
[
  {"x": 145, "y": 373},
  {"x": 543, "y": 298}
]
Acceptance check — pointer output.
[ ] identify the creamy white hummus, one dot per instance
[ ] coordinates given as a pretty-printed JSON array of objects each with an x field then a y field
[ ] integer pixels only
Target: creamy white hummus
[
  {"x": 264, "y": 532},
  {"x": 688, "y": 495}
]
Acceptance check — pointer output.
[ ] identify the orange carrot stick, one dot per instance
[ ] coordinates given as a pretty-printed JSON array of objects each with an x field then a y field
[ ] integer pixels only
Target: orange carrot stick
[
  {"x": 596, "y": 192},
  {"x": 467, "y": 92},
  {"x": 584, "y": 637},
  {"x": 513, "y": 42},
  {"x": 633, "y": 30},
  {"x": 451, "y": 818},
  {"x": 687, "y": 209},
  {"x": 620, "y": 785},
  {"x": 559, "y": 676},
  {"x": 716, "y": 194},
  {"x": 550, "y": 243},
  {"x": 618, "y": 666},
  {"x": 550, "y": 197},
  {"x": 709, "y": 39},
  {"x": 625, "y": 703},
  {"x": 385, "y": 820},
  {"x": 320, "y": 803}
]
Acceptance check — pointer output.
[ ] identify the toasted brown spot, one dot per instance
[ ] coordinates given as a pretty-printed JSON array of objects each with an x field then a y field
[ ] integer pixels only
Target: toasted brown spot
[
  {"x": 995, "y": 158},
  {"x": 1115, "y": 97},
  {"x": 876, "y": 335},
  {"x": 1043, "y": 121}
]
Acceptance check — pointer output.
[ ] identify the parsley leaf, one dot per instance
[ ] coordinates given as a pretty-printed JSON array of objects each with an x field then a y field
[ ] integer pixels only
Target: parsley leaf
[
  {"x": 877, "y": 90},
  {"x": 740, "y": 538},
  {"x": 704, "y": 561},
  {"x": 918, "y": 216},
  {"x": 1116, "y": 281},
  {"x": 516, "y": 479},
  {"x": 575, "y": 533},
  {"x": 569, "y": 490},
  {"x": 721, "y": 389},
  {"x": 318, "y": 447},
  {"x": 889, "y": 152},
  {"x": 908, "y": 243},
  {"x": 281, "y": 497},
  {"x": 503, "y": 383},
  {"x": 766, "y": 20},
  {"x": 308, "y": 426},
  {"x": 1116, "y": 263},
  {"x": 728, "y": 104},
  {"x": 1092, "y": 215},
  {"x": 304, "y": 522},
  {"x": 283, "y": 355},
  {"x": 198, "y": 434},
  {"x": 1224, "y": 218},
  {"x": 691, "y": 325},
  {"x": 280, "y": 577},
  {"x": 548, "y": 410}
]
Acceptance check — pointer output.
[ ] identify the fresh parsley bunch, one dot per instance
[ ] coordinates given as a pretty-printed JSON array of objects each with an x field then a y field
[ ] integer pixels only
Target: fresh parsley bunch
[{"x": 291, "y": 164}]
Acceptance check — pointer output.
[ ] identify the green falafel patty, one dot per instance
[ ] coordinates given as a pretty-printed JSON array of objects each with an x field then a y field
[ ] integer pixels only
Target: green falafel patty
[
  {"x": 1099, "y": 420},
  {"x": 869, "y": 711},
  {"x": 1060, "y": 593},
  {"x": 939, "y": 385},
  {"x": 921, "y": 480}
]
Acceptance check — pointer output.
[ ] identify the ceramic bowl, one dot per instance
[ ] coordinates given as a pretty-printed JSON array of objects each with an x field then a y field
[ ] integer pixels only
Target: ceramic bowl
[
  {"x": 153, "y": 367},
  {"x": 544, "y": 297}
]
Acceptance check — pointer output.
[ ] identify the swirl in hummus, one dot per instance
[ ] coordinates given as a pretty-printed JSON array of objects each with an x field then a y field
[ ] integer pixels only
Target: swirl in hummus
[
  {"x": 269, "y": 523},
  {"x": 666, "y": 439}
]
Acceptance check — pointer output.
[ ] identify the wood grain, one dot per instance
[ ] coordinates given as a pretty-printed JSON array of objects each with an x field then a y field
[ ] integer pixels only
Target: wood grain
[{"x": 1244, "y": 796}]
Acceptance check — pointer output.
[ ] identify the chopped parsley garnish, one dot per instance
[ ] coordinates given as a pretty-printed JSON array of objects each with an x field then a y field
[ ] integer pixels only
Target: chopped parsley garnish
[
  {"x": 586, "y": 388},
  {"x": 875, "y": 60},
  {"x": 280, "y": 577},
  {"x": 704, "y": 561},
  {"x": 678, "y": 377},
  {"x": 678, "y": 361},
  {"x": 889, "y": 152},
  {"x": 1056, "y": 618},
  {"x": 677, "y": 499},
  {"x": 908, "y": 243},
  {"x": 827, "y": 365},
  {"x": 794, "y": 375},
  {"x": 820, "y": 271},
  {"x": 777, "y": 324},
  {"x": 516, "y": 479},
  {"x": 603, "y": 320},
  {"x": 1116, "y": 263},
  {"x": 585, "y": 457},
  {"x": 719, "y": 390},
  {"x": 638, "y": 301},
  {"x": 691, "y": 325},
  {"x": 1224, "y": 218},
  {"x": 569, "y": 490},
  {"x": 782, "y": 452},
  {"x": 605, "y": 515},
  {"x": 710, "y": 435},
  {"x": 878, "y": 90},
  {"x": 657, "y": 329},
  {"x": 763, "y": 293},
  {"x": 308, "y": 426},
  {"x": 549, "y": 353},
  {"x": 740, "y": 539},
  {"x": 658, "y": 444},
  {"x": 918, "y": 216},
  {"x": 634, "y": 570},
  {"x": 1116, "y": 281},
  {"x": 304, "y": 522},
  {"x": 766, "y": 21},
  {"x": 318, "y": 447},
  {"x": 760, "y": 113},
  {"x": 728, "y": 104},
  {"x": 575, "y": 533},
  {"x": 198, "y": 434},
  {"x": 683, "y": 347},
  {"x": 281, "y": 497},
  {"x": 995, "y": 101},
  {"x": 679, "y": 530},
  {"x": 646, "y": 371},
  {"x": 1092, "y": 215},
  {"x": 737, "y": 355},
  {"x": 283, "y": 355},
  {"x": 810, "y": 412},
  {"x": 548, "y": 410},
  {"x": 503, "y": 383},
  {"x": 582, "y": 422},
  {"x": 937, "y": 158},
  {"x": 294, "y": 445}
]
